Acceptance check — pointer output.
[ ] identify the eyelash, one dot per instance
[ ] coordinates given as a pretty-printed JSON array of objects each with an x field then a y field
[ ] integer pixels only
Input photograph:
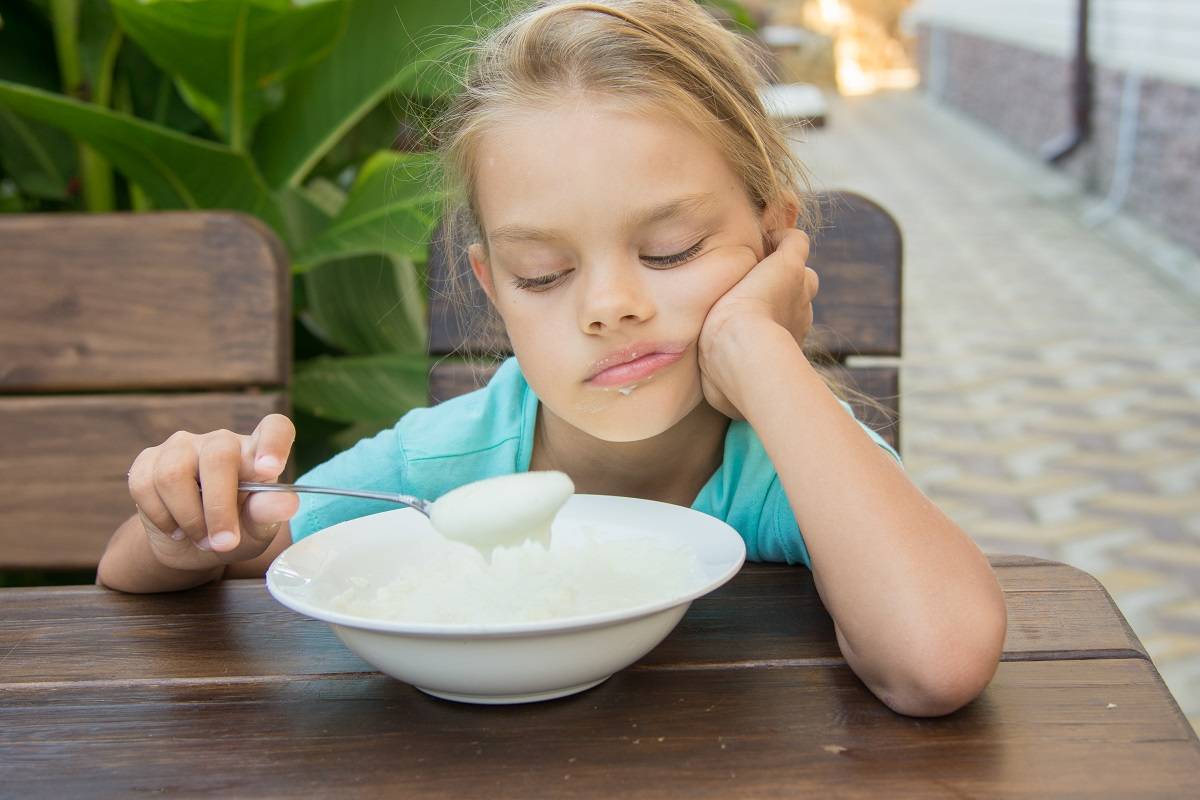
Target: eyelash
[{"x": 543, "y": 281}]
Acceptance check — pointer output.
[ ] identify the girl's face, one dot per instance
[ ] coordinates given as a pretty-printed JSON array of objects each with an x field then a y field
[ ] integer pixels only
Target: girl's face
[{"x": 608, "y": 230}]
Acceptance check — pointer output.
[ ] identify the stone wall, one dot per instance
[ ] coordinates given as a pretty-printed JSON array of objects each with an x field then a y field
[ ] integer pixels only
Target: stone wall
[{"x": 1025, "y": 96}]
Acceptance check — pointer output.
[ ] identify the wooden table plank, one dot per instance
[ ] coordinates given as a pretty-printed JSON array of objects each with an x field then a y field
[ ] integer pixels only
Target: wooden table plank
[
  {"x": 768, "y": 614},
  {"x": 1042, "y": 729}
]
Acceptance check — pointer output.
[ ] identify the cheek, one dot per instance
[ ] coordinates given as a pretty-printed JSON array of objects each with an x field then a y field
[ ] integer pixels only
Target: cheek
[{"x": 719, "y": 271}]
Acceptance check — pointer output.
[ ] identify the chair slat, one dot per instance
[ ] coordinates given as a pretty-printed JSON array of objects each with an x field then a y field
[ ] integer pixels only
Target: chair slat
[
  {"x": 858, "y": 255},
  {"x": 170, "y": 300},
  {"x": 64, "y": 462}
]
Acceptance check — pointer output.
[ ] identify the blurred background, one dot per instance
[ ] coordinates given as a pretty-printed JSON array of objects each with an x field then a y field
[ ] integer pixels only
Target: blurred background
[{"x": 1042, "y": 158}]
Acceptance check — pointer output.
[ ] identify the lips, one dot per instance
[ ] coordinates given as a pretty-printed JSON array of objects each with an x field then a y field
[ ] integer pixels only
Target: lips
[{"x": 634, "y": 363}]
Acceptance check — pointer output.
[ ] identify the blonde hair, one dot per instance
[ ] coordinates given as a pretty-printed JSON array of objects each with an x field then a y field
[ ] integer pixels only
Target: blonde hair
[{"x": 666, "y": 56}]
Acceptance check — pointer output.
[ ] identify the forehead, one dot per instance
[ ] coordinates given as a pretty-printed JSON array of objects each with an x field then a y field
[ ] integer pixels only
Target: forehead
[{"x": 590, "y": 168}]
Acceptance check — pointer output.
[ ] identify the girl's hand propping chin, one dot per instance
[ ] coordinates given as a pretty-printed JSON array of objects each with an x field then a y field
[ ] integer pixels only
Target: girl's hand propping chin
[{"x": 779, "y": 290}]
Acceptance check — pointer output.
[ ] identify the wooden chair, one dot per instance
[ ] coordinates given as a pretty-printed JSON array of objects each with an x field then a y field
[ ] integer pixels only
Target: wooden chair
[
  {"x": 857, "y": 253},
  {"x": 115, "y": 331}
]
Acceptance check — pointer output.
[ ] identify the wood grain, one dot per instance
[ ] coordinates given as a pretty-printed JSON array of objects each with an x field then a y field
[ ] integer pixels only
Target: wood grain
[
  {"x": 221, "y": 690},
  {"x": 108, "y": 307},
  {"x": 170, "y": 300},
  {"x": 1042, "y": 729},
  {"x": 65, "y": 458},
  {"x": 767, "y": 615}
]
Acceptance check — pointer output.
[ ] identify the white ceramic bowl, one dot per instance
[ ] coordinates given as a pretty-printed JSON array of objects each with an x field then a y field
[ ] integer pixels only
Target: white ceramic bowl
[{"x": 494, "y": 663}]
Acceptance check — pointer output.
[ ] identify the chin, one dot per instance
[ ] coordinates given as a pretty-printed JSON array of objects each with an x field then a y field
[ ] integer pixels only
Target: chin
[{"x": 627, "y": 420}]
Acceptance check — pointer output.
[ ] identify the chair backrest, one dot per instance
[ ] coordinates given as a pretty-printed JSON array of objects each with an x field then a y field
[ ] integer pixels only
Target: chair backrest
[
  {"x": 115, "y": 331},
  {"x": 858, "y": 254}
]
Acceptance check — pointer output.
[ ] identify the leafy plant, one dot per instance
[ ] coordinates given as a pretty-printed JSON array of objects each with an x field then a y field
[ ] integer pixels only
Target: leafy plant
[{"x": 283, "y": 109}]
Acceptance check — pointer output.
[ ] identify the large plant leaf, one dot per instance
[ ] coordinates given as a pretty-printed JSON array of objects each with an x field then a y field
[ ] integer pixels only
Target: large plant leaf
[
  {"x": 176, "y": 170},
  {"x": 154, "y": 95},
  {"x": 392, "y": 208},
  {"x": 378, "y": 388},
  {"x": 40, "y": 158},
  {"x": 306, "y": 211},
  {"x": 230, "y": 55},
  {"x": 368, "y": 304},
  {"x": 98, "y": 37},
  {"x": 388, "y": 45}
]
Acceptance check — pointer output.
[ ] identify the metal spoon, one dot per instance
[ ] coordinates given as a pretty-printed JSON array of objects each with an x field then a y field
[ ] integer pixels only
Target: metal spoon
[{"x": 403, "y": 499}]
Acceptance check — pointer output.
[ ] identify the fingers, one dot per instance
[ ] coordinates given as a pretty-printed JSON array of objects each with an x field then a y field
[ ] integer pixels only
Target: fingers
[
  {"x": 150, "y": 506},
  {"x": 264, "y": 512},
  {"x": 186, "y": 489},
  {"x": 176, "y": 487},
  {"x": 220, "y": 463},
  {"x": 272, "y": 441},
  {"x": 792, "y": 242}
]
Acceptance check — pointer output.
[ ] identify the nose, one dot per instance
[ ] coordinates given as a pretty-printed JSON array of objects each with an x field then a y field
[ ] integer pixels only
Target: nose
[{"x": 614, "y": 295}]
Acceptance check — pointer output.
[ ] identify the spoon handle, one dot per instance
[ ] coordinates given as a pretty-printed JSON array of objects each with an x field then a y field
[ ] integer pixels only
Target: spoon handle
[{"x": 403, "y": 499}]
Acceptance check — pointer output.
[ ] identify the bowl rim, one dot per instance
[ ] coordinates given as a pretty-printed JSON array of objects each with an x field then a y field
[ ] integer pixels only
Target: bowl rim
[{"x": 509, "y": 629}]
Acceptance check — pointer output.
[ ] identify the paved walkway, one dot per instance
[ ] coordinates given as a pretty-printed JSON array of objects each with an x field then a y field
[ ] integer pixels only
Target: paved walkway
[{"x": 1051, "y": 379}]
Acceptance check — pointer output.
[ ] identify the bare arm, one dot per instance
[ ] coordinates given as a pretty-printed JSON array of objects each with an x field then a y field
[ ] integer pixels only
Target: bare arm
[
  {"x": 919, "y": 613},
  {"x": 129, "y": 564}
]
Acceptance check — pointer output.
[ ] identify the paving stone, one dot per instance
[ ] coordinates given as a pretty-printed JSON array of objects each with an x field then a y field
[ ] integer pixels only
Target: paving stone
[
  {"x": 1150, "y": 504},
  {"x": 1123, "y": 580}
]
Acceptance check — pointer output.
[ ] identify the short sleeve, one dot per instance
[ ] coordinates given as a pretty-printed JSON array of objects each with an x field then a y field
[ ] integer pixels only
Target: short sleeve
[{"x": 377, "y": 464}]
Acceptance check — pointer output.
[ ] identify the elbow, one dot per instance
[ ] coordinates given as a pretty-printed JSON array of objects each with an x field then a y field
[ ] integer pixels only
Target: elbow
[{"x": 952, "y": 674}]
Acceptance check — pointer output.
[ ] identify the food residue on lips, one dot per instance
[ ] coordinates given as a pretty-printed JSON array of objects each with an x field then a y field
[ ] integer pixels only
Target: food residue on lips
[{"x": 446, "y": 582}]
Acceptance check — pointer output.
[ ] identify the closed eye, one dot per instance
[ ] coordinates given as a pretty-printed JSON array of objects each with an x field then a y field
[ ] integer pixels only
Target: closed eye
[
  {"x": 543, "y": 281},
  {"x": 676, "y": 258}
]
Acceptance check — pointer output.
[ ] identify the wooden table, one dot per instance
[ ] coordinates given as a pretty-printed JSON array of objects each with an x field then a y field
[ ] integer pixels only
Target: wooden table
[{"x": 221, "y": 690}]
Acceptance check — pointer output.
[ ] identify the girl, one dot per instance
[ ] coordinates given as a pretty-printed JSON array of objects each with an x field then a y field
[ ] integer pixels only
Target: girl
[{"x": 633, "y": 214}]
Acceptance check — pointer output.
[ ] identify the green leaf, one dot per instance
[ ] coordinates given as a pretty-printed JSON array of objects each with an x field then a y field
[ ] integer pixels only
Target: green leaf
[
  {"x": 97, "y": 30},
  {"x": 392, "y": 208},
  {"x": 377, "y": 388},
  {"x": 176, "y": 170},
  {"x": 154, "y": 95},
  {"x": 39, "y": 158},
  {"x": 736, "y": 11},
  {"x": 368, "y": 304},
  {"x": 304, "y": 216},
  {"x": 231, "y": 55},
  {"x": 388, "y": 44}
]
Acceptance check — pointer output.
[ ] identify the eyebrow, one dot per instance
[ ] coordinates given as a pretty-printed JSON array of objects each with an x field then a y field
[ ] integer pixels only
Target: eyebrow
[{"x": 637, "y": 219}]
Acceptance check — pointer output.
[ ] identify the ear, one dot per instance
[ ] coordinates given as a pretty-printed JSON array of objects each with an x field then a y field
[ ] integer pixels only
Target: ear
[
  {"x": 483, "y": 271},
  {"x": 781, "y": 214}
]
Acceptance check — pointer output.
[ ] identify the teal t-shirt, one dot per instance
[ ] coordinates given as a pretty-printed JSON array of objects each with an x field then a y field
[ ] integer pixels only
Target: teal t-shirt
[{"x": 489, "y": 432}]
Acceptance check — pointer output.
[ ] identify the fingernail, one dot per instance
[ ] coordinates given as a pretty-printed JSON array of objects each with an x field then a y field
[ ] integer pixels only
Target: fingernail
[
  {"x": 204, "y": 544},
  {"x": 268, "y": 463},
  {"x": 178, "y": 534},
  {"x": 223, "y": 540}
]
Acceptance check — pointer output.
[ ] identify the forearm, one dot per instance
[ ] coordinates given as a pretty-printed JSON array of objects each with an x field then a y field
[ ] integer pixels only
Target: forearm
[
  {"x": 917, "y": 606},
  {"x": 129, "y": 565}
]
